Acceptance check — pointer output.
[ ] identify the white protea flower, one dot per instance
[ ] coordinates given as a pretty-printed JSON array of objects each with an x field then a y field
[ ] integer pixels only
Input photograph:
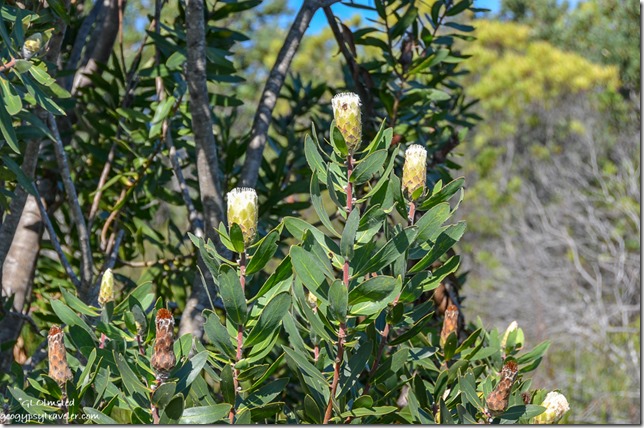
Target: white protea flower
[
  {"x": 106, "y": 293},
  {"x": 242, "y": 210},
  {"x": 512, "y": 327},
  {"x": 32, "y": 45},
  {"x": 556, "y": 406},
  {"x": 348, "y": 118},
  {"x": 414, "y": 170}
]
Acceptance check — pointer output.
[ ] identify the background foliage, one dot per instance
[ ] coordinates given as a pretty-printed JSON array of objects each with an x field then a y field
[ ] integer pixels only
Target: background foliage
[{"x": 552, "y": 200}]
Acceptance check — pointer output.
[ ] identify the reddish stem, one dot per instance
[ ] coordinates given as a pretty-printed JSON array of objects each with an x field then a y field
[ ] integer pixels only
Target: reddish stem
[
  {"x": 240, "y": 332},
  {"x": 336, "y": 372},
  {"x": 102, "y": 343},
  {"x": 412, "y": 213},
  {"x": 349, "y": 185},
  {"x": 8, "y": 65}
]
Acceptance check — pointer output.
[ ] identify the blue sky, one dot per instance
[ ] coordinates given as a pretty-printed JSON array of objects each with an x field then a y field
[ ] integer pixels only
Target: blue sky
[{"x": 345, "y": 12}]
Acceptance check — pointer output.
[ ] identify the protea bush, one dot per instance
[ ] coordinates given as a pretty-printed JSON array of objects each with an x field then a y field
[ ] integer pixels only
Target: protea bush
[{"x": 344, "y": 330}]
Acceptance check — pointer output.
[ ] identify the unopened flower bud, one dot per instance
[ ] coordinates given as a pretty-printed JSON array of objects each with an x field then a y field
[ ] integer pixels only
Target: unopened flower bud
[
  {"x": 450, "y": 323},
  {"x": 57, "y": 355},
  {"x": 163, "y": 360},
  {"x": 242, "y": 210},
  {"x": 32, "y": 45},
  {"x": 497, "y": 401},
  {"x": 512, "y": 327},
  {"x": 348, "y": 118},
  {"x": 106, "y": 293},
  {"x": 556, "y": 406},
  {"x": 414, "y": 170},
  {"x": 312, "y": 300}
]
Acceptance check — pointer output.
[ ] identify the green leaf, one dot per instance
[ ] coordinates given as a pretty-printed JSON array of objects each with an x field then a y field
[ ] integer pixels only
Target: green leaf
[
  {"x": 413, "y": 331},
  {"x": 224, "y": 237},
  {"x": 443, "y": 195},
  {"x": 311, "y": 410},
  {"x": 176, "y": 60},
  {"x": 132, "y": 383},
  {"x": 160, "y": 114},
  {"x": 315, "y": 161},
  {"x": 318, "y": 205},
  {"x": 69, "y": 317},
  {"x": 218, "y": 335},
  {"x": 444, "y": 242},
  {"x": 60, "y": 9},
  {"x": 403, "y": 23},
  {"x": 265, "y": 250},
  {"x": 459, "y": 7},
  {"x": 163, "y": 394},
  {"x": 205, "y": 414},
  {"x": 429, "y": 225},
  {"x": 522, "y": 411},
  {"x": 363, "y": 402},
  {"x": 393, "y": 249},
  {"x": 338, "y": 300},
  {"x": 311, "y": 274},
  {"x": 11, "y": 100},
  {"x": 227, "y": 384},
  {"x": 265, "y": 394},
  {"x": 283, "y": 271},
  {"x": 237, "y": 238},
  {"x": 450, "y": 346},
  {"x": 41, "y": 76},
  {"x": 78, "y": 305},
  {"x": 7, "y": 129},
  {"x": 337, "y": 141},
  {"x": 536, "y": 353},
  {"x": 98, "y": 417},
  {"x": 190, "y": 370},
  {"x": 173, "y": 411},
  {"x": 362, "y": 412},
  {"x": 32, "y": 405},
  {"x": 349, "y": 233},
  {"x": 372, "y": 290},
  {"x": 383, "y": 180},
  {"x": 368, "y": 167},
  {"x": 232, "y": 295},
  {"x": 25, "y": 182},
  {"x": 270, "y": 319},
  {"x": 142, "y": 294}
]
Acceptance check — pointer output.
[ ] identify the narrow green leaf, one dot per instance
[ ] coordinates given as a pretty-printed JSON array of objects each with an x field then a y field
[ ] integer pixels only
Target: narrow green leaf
[
  {"x": 69, "y": 317},
  {"x": 311, "y": 274},
  {"x": 232, "y": 295},
  {"x": 265, "y": 250},
  {"x": 99, "y": 417},
  {"x": 315, "y": 161},
  {"x": 338, "y": 301},
  {"x": 205, "y": 414},
  {"x": 7, "y": 129},
  {"x": 372, "y": 290},
  {"x": 218, "y": 335},
  {"x": 349, "y": 233},
  {"x": 368, "y": 166},
  {"x": 130, "y": 380},
  {"x": 444, "y": 242},
  {"x": 41, "y": 75},
  {"x": 270, "y": 319},
  {"x": 318, "y": 205},
  {"x": 429, "y": 225},
  {"x": 11, "y": 100},
  {"x": 237, "y": 238},
  {"x": 389, "y": 252}
]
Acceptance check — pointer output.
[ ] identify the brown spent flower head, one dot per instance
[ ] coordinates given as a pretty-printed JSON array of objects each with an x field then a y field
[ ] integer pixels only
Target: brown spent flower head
[
  {"x": 414, "y": 170},
  {"x": 106, "y": 293},
  {"x": 348, "y": 118},
  {"x": 163, "y": 359},
  {"x": 450, "y": 323},
  {"x": 497, "y": 401},
  {"x": 58, "y": 367},
  {"x": 242, "y": 210}
]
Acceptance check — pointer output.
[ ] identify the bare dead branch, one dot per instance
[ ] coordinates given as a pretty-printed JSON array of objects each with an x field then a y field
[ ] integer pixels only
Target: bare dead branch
[
  {"x": 56, "y": 243},
  {"x": 87, "y": 262},
  {"x": 274, "y": 83}
]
